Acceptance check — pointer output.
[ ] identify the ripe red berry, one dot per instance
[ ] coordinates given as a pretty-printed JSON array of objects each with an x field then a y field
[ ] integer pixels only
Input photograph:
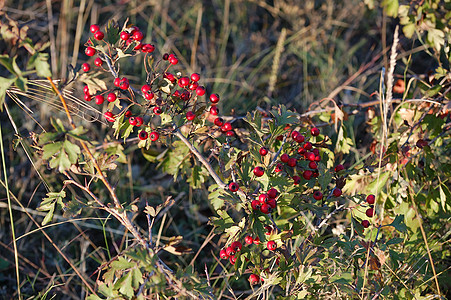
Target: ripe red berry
[
  {"x": 89, "y": 51},
  {"x": 257, "y": 241},
  {"x": 214, "y": 110},
  {"x": 109, "y": 116},
  {"x": 183, "y": 81},
  {"x": 300, "y": 138},
  {"x": 128, "y": 114},
  {"x": 371, "y": 199},
  {"x": 125, "y": 35},
  {"x": 272, "y": 202},
  {"x": 338, "y": 168},
  {"x": 86, "y": 89},
  {"x": 294, "y": 134},
  {"x": 157, "y": 110},
  {"x": 117, "y": 81},
  {"x": 173, "y": 60},
  {"x": 259, "y": 171},
  {"x": 272, "y": 193},
  {"x": 307, "y": 174},
  {"x": 145, "y": 88},
  {"x": 149, "y": 95},
  {"x": 132, "y": 121},
  {"x": 142, "y": 135},
  {"x": 200, "y": 91},
  {"x": 190, "y": 115},
  {"x": 232, "y": 259},
  {"x": 219, "y": 121},
  {"x": 255, "y": 204},
  {"x": 99, "y": 35},
  {"x": 317, "y": 195},
  {"x": 365, "y": 223},
  {"x": 87, "y": 97},
  {"x": 98, "y": 62},
  {"x": 99, "y": 99},
  {"x": 123, "y": 85},
  {"x": 233, "y": 186},
  {"x": 223, "y": 254},
  {"x": 137, "y": 36},
  {"x": 230, "y": 251},
  {"x": 314, "y": 131},
  {"x": 369, "y": 212},
  {"x": 262, "y": 198},
  {"x": 236, "y": 246},
  {"x": 284, "y": 158},
  {"x": 265, "y": 208},
  {"x": 310, "y": 156},
  {"x": 94, "y": 28},
  {"x": 154, "y": 136},
  {"x": 85, "y": 67},
  {"x": 296, "y": 180},
  {"x": 279, "y": 168},
  {"x": 111, "y": 97},
  {"x": 214, "y": 98},
  {"x": 308, "y": 146},
  {"x": 193, "y": 86},
  {"x": 312, "y": 165},
  {"x": 139, "y": 121},
  {"x": 292, "y": 162},
  {"x": 271, "y": 245},
  {"x": 254, "y": 279},
  {"x": 263, "y": 151},
  {"x": 226, "y": 127},
  {"x": 248, "y": 240},
  {"x": 148, "y": 48},
  {"x": 195, "y": 77},
  {"x": 337, "y": 192}
]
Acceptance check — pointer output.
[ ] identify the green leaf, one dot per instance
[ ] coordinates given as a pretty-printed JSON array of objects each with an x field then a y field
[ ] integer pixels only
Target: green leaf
[
  {"x": 126, "y": 286},
  {"x": 394, "y": 241},
  {"x": 398, "y": 223},
  {"x": 60, "y": 161},
  {"x": 391, "y": 7},
  {"x": 21, "y": 83},
  {"x": 49, "y": 216},
  {"x": 122, "y": 264},
  {"x": 6, "y": 61},
  {"x": 112, "y": 32},
  {"x": 72, "y": 151},
  {"x": 51, "y": 149},
  {"x": 5, "y": 83},
  {"x": 39, "y": 61}
]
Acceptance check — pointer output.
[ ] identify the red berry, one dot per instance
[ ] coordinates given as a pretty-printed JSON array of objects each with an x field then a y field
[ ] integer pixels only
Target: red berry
[
  {"x": 365, "y": 223},
  {"x": 183, "y": 81},
  {"x": 117, "y": 81},
  {"x": 371, "y": 199},
  {"x": 88, "y": 97},
  {"x": 292, "y": 162},
  {"x": 265, "y": 208},
  {"x": 190, "y": 115},
  {"x": 272, "y": 202},
  {"x": 94, "y": 28},
  {"x": 310, "y": 156},
  {"x": 98, "y": 62},
  {"x": 214, "y": 98},
  {"x": 148, "y": 95},
  {"x": 142, "y": 135},
  {"x": 255, "y": 204},
  {"x": 132, "y": 121},
  {"x": 296, "y": 180},
  {"x": 263, "y": 151},
  {"x": 312, "y": 165},
  {"x": 200, "y": 91},
  {"x": 137, "y": 36},
  {"x": 157, "y": 110},
  {"x": 154, "y": 136},
  {"x": 223, "y": 254},
  {"x": 139, "y": 121},
  {"x": 232, "y": 259},
  {"x": 195, "y": 77},
  {"x": 272, "y": 193},
  {"x": 149, "y": 48},
  {"x": 271, "y": 245},
  {"x": 109, "y": 116},
  {"x": 124, "y": 85},
  {"x": 226, "y": 126},
  {"x": 284, "y": 158},
  {"x": 111, "y": 97},
  {"x": 99, "y": 99},
  {"x": 128, "y": 114},
  {"x": 307, "y": 174},
  {"x": 85, "y": 67},
  {"x": 314, "y": 131},
  {"x": 125, "y": 35},
  {"x": 369, "y": 212},
  {"x": 262, "y": 198},
  {"x": 173, "y": 60},
  {"x": 248, "y": 240},
  {"x": 259, "y": 171},
  {"x": 86, "y": 89},
  {"x": 236, "y": 246},
  {"x": 339, "y": 168},
  {"x": 145, "y": 88},
  {"x": 89, "y": 51},
  {"x": 193, "y": 86},
  {"x": 214, "y": 110},
  {"x": 233, "y": 186},
  {"x": 337, "y": 192},
  {"x": 279, "y": 168},
  {"x": 294, "y": 134},
  {"x": 308, "y": 146},
  {"x": 253, "y": 279},
  {"x": 219, "y": 121},
  {"x": 317, "y": 195},
  {"x": 99, "y": 35},
  {"x": 300, "y": 138},
  {"x": 257, "y": 240},
  {"x": 230, "y": 251}
]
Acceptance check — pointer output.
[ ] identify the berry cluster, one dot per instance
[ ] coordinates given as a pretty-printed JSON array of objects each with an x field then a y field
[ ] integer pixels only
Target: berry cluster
[
  {"x": 266, "y": 202},
  {"x": 370, "y": 199}
]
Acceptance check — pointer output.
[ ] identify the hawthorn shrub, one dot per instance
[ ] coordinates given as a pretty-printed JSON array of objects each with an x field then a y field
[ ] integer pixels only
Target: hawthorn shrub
[{"x": 297, "y": 214}]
